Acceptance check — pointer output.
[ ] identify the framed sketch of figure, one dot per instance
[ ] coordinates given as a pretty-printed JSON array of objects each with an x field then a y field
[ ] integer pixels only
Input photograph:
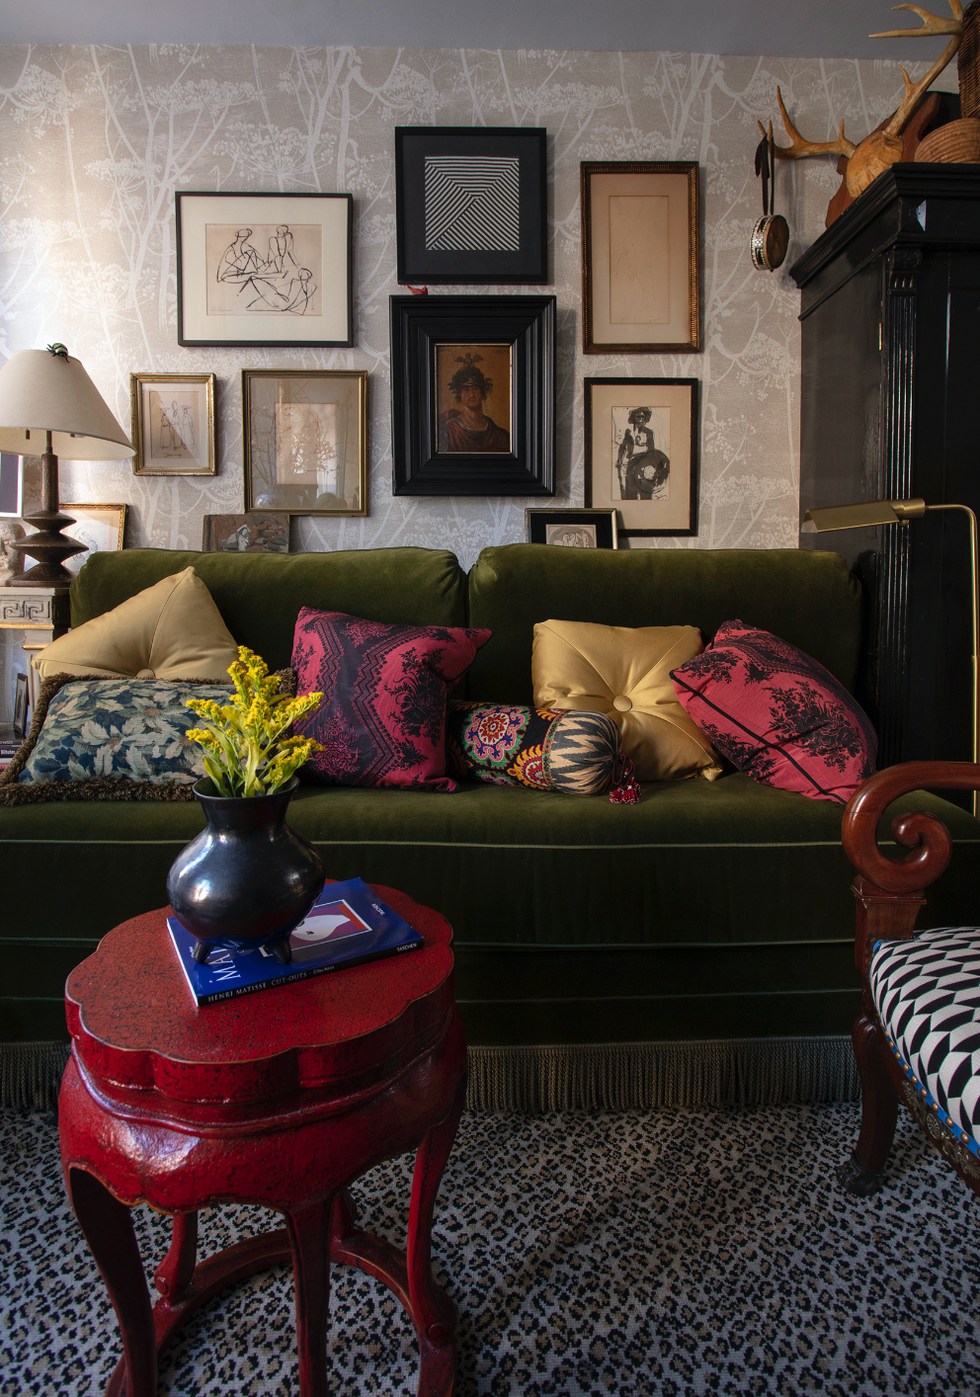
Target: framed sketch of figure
[
  {"x": 173, "y": 424},
  {"x": 641, "y": 453}
]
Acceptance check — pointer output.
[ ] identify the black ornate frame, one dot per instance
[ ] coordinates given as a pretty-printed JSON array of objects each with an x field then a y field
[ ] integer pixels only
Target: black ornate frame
[{"x": 418, "y": 325}]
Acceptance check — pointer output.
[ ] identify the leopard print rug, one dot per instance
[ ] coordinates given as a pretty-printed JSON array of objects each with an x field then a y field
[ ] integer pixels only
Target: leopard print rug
[{"x": 634, "y": 1254}]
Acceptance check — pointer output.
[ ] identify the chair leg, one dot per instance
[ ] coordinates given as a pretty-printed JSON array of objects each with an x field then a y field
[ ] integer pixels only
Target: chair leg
[{"x": 862, "y": 1173}]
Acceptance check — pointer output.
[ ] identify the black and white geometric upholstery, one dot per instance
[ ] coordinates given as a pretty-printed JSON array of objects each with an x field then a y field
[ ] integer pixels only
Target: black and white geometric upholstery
[{"x": 927, "y": 997}]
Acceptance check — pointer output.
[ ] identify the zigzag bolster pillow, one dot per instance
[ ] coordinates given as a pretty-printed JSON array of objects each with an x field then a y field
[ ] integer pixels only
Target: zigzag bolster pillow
[{"x": 549, "y": 749}]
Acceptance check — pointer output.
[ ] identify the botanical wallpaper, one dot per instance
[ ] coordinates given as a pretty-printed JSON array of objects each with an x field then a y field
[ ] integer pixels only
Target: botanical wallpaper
[{"x": 95, "y": 140}]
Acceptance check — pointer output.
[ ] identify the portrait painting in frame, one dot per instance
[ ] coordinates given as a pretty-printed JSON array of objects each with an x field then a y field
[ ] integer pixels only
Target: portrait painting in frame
[
  {"x": 473, "y": 395},
  {"x": 641, "y": 453},
  {"x": 264, "y": 269},
  {"x": 305, "y": 433},
  {"x": 641, "y": 289},
  {"x": 172, "y": 418}
]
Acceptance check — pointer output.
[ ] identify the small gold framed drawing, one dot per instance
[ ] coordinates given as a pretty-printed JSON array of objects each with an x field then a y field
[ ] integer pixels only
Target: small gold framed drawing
[{"x": 173, "y": 424}]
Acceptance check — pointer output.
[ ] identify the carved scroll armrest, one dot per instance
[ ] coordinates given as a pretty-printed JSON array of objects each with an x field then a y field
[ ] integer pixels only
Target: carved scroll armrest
[{"x": 889, "y": 891}]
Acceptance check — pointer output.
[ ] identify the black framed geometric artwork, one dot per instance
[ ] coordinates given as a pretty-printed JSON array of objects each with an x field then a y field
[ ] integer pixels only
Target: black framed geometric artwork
[
  {"x": 471, "y": 205},
  {"x": 473, "y": 395}
]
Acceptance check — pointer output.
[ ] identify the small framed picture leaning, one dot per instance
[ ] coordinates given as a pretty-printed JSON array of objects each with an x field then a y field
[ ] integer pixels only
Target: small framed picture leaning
[
  {"x": 265, "y": 269},
  {"x": 641, "y": 453},
  {"x": 172, "y": 419},
  {"x": 572, "y": 528},
  {"x": 101, "y": 527},
  {"x": 305, "y": 439},
  {"x": 471, "y": 205},
  {"x": 641, "y": 289},
  {"x": 473, "y": 395}
]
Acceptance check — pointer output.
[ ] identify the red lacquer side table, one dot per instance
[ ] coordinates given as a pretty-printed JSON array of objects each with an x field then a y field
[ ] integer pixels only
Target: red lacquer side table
[{"x": 281, "y": 1098}]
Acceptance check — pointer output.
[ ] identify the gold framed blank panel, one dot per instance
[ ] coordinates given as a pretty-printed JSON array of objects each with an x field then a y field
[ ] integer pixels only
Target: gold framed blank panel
[{"x": 641, "y": 287}]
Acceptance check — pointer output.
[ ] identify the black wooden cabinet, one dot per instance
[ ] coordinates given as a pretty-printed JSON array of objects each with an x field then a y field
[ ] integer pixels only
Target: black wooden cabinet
[{"x": 890, "y": 410}]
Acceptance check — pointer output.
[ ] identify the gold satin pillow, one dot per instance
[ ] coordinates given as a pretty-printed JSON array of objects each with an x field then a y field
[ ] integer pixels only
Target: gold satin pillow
[
  {"x": 626, "y": 673},
  {"x": 172, "y": 630}
]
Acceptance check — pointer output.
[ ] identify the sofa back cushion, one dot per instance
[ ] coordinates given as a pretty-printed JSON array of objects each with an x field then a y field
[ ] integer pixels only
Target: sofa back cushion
[
  {"x": 260, "y": 595},
  {"x": 809, "y": 598}
]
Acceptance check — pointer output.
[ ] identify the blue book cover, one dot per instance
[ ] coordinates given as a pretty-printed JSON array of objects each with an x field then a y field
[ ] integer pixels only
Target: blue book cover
[{"x": 347, "y": 925}]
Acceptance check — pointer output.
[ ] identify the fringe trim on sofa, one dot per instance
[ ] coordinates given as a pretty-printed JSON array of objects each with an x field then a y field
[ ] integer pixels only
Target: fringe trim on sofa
[
  {"x": 30, "y": 1074},
  {"x": 579, "y": 1077},
  {"x": 627, "y": 1076}
]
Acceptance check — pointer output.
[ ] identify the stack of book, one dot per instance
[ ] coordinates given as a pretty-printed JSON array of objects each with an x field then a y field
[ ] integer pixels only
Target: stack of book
[
  {"x": 347, "y": 925},
  {"x": 10, "y": 745}
]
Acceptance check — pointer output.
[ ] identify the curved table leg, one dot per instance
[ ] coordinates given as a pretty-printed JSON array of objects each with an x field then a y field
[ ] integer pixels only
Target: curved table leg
[
  {"x": 433, "y": 1313},
  {"x": 174, "y": 1273},
  {"x": 108, "y": 1228},
  {"x": 309, "y": 1232}
]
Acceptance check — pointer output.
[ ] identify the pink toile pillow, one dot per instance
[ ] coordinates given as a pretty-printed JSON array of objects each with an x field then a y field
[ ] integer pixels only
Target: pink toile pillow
[
  {"x": 777, "y": 714},
  {"x": 385, "y": 691}
]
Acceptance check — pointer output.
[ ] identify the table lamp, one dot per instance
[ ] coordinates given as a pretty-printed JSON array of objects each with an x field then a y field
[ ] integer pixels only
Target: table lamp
[
  {"x": 49, "y": 407},
  {"x": 874, "y": 512}
]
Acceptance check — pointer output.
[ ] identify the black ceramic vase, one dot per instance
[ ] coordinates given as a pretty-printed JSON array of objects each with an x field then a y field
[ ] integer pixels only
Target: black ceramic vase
[{"x": 247, "y": 879}]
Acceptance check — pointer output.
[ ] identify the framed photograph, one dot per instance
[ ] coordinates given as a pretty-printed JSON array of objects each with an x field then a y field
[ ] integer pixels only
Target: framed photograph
[
  {"x": 245, "y": 533},
  {"x": 305, "y": 436},
  {"x": 641, "y": 453},
  {"x": 572, "y": 528},
  {"x": 471, "y": 205},
  {"x": 20, "y": 705},
  {"x": 473, "y": 395},
  {"x": 99, "y": 526},
  {"x": 172, "y": 418},
  {"x": 265, "y": 269},
  {"x": 641, "y": 288},
  {"x": 11, "y": 486}
]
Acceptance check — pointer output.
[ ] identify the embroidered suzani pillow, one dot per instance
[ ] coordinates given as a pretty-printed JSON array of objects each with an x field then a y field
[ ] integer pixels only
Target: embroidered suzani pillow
[
  {"x": 95, "y": 736},
  {"x": 777, "y": 714},
  {"x": 382, "y": 721},
  {"x": 549, "y": 749}
]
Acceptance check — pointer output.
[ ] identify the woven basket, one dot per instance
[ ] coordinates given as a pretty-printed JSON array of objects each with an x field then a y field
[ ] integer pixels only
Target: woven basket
[{"x": 956, "y": 143}]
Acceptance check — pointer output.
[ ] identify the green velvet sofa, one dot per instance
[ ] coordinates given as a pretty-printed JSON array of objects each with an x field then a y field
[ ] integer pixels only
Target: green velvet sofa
[{"x": 598, "y": 945}]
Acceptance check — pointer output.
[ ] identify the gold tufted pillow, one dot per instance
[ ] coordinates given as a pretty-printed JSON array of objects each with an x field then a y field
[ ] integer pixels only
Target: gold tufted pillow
[
  {"x": 172, "y": 630},
  {"x": 626, "y": 673}
]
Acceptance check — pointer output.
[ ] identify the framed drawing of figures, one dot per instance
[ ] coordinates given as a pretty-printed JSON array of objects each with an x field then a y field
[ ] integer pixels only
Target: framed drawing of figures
[
  {"x": 471, "y": 205},
  {"x": 641, "y": 453},
  {"x": 264, "y": 269},
  {"x": 473, "y": 395},
  {"x": 173, "y": 424},
  {"x": 641, "y": 288},
  {"x": 305, "y": 435}
]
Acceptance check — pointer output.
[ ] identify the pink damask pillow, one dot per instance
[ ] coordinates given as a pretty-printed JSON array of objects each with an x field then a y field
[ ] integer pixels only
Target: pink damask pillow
[
  {"x": 777, "y": 714},
  {"x": 385, "y": 691}
]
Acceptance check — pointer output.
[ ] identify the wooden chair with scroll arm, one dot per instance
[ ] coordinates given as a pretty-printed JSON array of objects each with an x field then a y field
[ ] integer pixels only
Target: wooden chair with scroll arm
[{"x": 918, "y": 1033}]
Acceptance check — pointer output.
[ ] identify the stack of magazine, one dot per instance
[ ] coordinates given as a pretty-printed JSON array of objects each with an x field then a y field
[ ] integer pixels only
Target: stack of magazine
[{"x": 347, "y": 925}]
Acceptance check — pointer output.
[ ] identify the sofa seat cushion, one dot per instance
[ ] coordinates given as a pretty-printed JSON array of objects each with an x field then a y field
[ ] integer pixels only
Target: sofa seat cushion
[
  {"x": 172, "y": 630},
  {"x": 927, "y": 997},
  {"x": 707, "y": 910}
]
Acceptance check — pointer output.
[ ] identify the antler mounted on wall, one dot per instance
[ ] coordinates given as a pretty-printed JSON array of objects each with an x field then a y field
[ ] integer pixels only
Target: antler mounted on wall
[{"x": 866, "y": 161}]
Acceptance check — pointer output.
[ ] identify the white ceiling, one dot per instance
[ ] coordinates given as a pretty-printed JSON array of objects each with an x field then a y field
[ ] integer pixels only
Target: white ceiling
[{"x": 778, "y": 28}]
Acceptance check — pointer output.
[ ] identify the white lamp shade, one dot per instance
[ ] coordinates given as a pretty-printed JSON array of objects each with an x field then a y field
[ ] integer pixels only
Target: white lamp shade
[{"x": 44, "y": 392}]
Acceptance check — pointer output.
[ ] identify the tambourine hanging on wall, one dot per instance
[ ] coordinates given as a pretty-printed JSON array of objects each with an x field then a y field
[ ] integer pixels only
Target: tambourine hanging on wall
[{"x": 770, "y": 236}]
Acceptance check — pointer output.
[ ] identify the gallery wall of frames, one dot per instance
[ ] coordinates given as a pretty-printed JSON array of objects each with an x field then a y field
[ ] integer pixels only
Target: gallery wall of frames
[{"x": 236, "y": 243}]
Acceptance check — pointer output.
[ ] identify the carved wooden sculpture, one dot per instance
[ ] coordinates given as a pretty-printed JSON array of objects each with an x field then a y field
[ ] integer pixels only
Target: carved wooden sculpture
[{"x": 884, "y": 146}]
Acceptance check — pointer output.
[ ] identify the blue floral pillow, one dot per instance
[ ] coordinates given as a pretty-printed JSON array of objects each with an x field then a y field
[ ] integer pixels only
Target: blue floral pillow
[{"x": 117, "y": 730}]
